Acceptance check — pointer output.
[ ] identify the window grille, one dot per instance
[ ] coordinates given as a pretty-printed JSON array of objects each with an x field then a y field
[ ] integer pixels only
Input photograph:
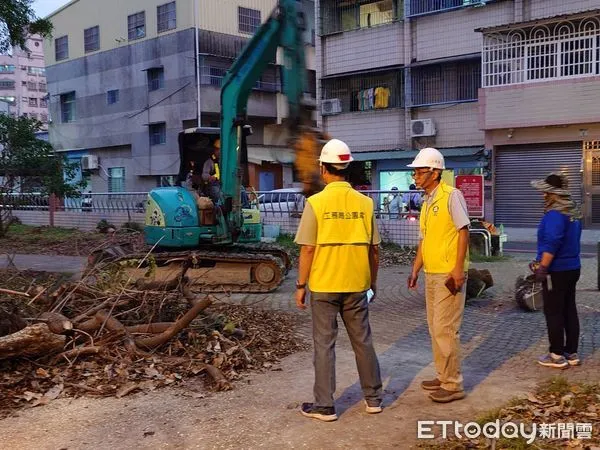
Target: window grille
[
  {"x": 346, "y": 15},
  {"x": 156, "y": 79},
  {"x": 158, "y": 133},
  {"x": 67, "y": 107},
  {"x": 446, "y": 83},
  {"x": 248, "y": 20},
  {"x": 112, "y": 96},
  {"x": 7, "y": 85},
  {"x": 61, "y": 48},
  {"x": 116, "y": 179},
  {"x": 365, "y": 92},
  {"x": 91, "y": 39},
  {"x": 136, "y": 26},
  {"x": 166, "y": 17},
  {"x": 546, "y": 52}
]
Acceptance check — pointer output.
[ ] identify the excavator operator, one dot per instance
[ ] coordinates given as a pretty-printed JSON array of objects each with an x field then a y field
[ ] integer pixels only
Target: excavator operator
[{"x": 211, "y": 175}]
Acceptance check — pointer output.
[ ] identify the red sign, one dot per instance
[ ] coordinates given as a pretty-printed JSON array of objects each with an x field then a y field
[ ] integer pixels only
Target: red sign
[{"x": 471, "y": 187}]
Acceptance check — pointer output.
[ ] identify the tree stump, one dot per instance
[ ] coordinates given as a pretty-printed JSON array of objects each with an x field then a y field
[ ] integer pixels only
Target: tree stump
[{"x": 34, "y": 340}]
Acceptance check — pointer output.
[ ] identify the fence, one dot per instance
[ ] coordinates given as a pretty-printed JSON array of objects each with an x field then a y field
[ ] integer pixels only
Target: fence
[{"x": 283, "y": 208}]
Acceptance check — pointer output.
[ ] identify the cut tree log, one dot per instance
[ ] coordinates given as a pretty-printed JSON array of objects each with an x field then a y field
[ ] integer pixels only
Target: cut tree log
[
  {"x": 33, "y": 340},
  {"x": 57, "y": 323}
]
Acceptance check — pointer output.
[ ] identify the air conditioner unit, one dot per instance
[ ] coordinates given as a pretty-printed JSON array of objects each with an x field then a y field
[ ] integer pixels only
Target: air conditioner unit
[
  {"x": 331, "y": 106},
  {"x": 422, "y": 127},
  {"x": 89, "y": 162}
]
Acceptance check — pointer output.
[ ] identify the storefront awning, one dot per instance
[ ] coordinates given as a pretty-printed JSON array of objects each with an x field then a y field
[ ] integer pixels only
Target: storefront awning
[
  {"x": 410, "y": 154},
  {"x": 282, "y": 155}
]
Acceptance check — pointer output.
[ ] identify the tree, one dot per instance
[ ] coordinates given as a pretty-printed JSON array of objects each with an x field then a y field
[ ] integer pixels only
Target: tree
[
  {"x": 17, "y": 21},
  {"x": 25, "y": 158}
]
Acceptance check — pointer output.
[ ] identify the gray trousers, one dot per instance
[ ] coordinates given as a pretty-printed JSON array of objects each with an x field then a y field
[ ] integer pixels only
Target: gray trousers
[{"x": 355, "y": 315}]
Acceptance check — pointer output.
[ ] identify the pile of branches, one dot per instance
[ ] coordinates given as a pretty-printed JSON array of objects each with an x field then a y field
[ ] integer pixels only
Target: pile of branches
[{"x": 110, "y": 339}]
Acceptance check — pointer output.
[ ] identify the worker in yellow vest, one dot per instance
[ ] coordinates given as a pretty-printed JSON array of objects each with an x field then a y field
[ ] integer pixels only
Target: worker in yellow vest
[
  {"x": 339, "y": 260},
  {"x": 443, "y": 254},
  {"x": 211, "y": 175}
]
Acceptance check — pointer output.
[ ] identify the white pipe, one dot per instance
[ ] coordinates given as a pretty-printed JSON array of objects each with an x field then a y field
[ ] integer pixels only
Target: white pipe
[{"x": 197, "y": 50}]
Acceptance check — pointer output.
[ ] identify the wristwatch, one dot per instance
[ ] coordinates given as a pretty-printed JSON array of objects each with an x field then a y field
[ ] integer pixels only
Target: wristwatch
[{"x": 300, "y": 285}]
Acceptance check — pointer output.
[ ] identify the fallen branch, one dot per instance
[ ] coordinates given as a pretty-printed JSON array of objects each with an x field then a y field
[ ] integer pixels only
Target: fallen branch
[
  {"x": 182, "y": 322},
  {"x": 150, "y": 328},
  {"x": 33, "y": 340},
  {"x": 11, "y": 292},
  {"x": 217, "y": 376},
  {"x": 76, "y": 352}
]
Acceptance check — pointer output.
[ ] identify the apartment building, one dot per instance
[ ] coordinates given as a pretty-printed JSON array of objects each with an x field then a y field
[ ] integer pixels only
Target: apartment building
[
  {"x": 123, "y": 84},
  {"x": 23, "y": 81},
  {"x": 504, "y": 88}
]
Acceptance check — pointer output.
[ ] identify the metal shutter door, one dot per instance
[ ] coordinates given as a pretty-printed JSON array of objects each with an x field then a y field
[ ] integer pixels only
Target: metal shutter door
[{"x": 517, "y": 204}]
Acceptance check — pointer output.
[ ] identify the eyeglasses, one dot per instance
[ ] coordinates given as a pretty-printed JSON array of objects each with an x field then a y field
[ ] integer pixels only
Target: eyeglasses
[{"x": 420, "y": 172}]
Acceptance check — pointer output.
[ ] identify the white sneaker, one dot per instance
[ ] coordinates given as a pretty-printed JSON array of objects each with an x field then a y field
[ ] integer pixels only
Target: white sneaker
[{"x": 373, "y": 406}]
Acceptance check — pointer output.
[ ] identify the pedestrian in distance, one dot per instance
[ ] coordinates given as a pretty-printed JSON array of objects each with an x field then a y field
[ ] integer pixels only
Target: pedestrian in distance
[
  {"x": 339, "y": 260},
  {"x": 557, "y": 267},
  {"x": 443, "y": 253}
]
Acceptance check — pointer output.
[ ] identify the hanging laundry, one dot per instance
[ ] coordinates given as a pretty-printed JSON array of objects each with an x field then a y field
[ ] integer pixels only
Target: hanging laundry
[
  {"x": 371, "y": 93},
  {"x": 382, "y": 97}
]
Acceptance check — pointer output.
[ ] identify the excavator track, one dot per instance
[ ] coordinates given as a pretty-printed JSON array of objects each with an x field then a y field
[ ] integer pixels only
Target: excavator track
[
  {"x": 207, "y": 270},
  {"x": 270, "y": 249}
]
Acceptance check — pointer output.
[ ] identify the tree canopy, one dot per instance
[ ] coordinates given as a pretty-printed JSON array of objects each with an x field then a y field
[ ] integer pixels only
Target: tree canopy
[{"x": 17, "y": 22}]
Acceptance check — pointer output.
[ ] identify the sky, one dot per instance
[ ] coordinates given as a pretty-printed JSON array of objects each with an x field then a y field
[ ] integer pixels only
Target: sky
[{"x": 44, "y": 7}]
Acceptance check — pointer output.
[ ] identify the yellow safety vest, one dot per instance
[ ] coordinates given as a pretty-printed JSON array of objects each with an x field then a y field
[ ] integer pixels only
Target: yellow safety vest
[
  {"x": 344, "y": 235},
  {"x": 216, "y": 166},
  {"x": 439, "y": 246}
]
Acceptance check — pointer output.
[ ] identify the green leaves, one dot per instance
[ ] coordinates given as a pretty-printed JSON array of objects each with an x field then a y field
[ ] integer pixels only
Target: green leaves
[{"x": 17, "y": 21}]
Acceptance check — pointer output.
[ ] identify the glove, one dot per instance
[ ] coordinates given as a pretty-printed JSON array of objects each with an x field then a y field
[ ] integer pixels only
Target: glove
[{"x": 541, "y": 274}]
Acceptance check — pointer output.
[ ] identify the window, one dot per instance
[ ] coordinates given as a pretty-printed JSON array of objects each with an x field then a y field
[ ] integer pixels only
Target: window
[
  {"x": 248, "y": 20},
  {"x": 116, "y": 179},
  {"x": 42, "y": 87},
  {"x": 67, "y": 107},
  {"x": 363, "y": 92},
  {"x": 91, "y": 39},
  {"x": 446, "y": 83},
  {"x": 33, "y": 102},
  {"x": 61, "y": 48},
  {"x": 32, "y": 85},
  {"x": 136, "y": 25},
  {"x": 158, "y": 133},
  {"x": 156, "y": 79},
  {"x": 342, "y": 15},
  {"x": 216, "y": 75},
  {"x": 112, "y": 97},
  {"x": 166, "y": 17},
  {"x": 43, "y": 117},
  {"x": 43, "y": 103},
  {"x": 567, "y": 49},
  {"x": 39, "y": 71},
  {"x": 7, "y": 68},
  {"x": 33, "y": 116},
  {"x": 167, "y": 180},
  {"x": 7, "y": 85},
  {"x": 428, "y": 6}
]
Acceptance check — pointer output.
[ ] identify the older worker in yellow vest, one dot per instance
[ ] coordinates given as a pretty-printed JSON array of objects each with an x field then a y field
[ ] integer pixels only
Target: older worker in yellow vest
[
  {"x": 443, "y": 254},
  {"x": 339, "y": 259},
  {"x": 211, "y": 175}
]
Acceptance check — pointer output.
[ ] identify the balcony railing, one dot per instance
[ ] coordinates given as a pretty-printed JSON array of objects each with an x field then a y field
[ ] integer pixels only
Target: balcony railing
[
  {"x": 213, "y": 76},
  {"x": 557, "y": 51},
  {"x": 341, "y": 15}
]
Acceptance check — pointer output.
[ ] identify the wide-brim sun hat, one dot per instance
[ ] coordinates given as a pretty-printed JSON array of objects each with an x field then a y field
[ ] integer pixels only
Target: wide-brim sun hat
[{"x": 555, "y": 183}]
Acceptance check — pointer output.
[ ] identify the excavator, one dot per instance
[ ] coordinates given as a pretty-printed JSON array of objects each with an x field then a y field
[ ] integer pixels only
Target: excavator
[{"x": 215, "y": 243}]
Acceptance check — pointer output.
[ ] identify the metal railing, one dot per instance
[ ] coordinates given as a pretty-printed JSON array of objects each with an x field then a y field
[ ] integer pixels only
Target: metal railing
[{"x": 90, "y": 202}]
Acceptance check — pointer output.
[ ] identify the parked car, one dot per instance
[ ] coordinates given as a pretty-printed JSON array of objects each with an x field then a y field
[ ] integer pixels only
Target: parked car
[{"x": 287, "y": 200}]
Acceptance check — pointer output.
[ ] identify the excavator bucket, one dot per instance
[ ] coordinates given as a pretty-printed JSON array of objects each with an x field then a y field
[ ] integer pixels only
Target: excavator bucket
[{"x": 307, "y": 147}]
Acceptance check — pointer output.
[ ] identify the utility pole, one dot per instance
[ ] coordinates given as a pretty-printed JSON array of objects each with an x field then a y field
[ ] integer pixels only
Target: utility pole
[{"x": 197, "y": 56}]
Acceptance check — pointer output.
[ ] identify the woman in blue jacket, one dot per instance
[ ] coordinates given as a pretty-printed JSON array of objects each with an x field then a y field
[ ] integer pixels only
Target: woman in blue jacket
[{"x": 558, "y": 267}]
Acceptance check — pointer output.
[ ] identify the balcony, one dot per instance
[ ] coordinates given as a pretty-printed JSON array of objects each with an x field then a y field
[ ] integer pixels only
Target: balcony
[{"x": 338, "y": 16}]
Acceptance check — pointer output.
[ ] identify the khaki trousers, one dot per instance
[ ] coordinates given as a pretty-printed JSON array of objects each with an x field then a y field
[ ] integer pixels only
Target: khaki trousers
[{"x": 444, "y": 317}]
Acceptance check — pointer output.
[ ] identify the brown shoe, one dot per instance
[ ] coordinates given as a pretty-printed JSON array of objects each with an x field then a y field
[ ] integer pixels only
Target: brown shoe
[
  {"x": 431, "y": 385},
  {"x": 444, "y": 396}
]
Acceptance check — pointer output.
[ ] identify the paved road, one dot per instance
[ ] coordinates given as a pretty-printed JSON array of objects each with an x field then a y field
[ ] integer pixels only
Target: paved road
[
  {"x": 510, "y": 247},
  {"x": 500, "y": 344}
]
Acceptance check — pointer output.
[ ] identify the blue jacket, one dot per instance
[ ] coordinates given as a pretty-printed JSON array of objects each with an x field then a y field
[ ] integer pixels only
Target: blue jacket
[{"x": 560, "y": 236}]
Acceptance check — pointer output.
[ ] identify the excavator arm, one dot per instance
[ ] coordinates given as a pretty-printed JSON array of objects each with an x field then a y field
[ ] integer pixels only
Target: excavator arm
[{"x": 284, "y": 29}]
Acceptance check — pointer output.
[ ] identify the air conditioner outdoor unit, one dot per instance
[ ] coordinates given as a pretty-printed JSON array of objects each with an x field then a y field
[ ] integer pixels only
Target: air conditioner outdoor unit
[
  {"x": 89, "y": 162},
  {"x": 422, "y": 127},
  {"x": 331, "y": 106}
]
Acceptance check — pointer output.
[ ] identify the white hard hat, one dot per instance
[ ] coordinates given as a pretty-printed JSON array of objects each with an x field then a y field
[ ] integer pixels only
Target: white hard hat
[
  {"x": 429, "y": 157},
  {"x": 336, "y": 152}
]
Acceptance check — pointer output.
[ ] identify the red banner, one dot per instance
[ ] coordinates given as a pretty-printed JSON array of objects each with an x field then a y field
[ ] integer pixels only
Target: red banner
[{"x": 471, "y": 187}]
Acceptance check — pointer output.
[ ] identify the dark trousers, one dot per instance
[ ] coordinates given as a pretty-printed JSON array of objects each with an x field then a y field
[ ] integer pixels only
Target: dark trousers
[
  {"x": 561, "y": 312},
  {"x": 355, "y": 315}
]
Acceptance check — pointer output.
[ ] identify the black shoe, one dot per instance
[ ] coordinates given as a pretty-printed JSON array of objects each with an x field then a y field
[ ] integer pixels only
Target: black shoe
[{"x": 324, "y": 413}]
